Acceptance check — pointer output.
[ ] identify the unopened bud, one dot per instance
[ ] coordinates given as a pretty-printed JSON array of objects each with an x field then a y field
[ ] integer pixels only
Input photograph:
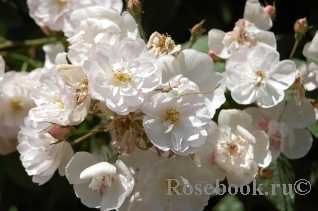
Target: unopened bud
[
  {"x": 265, "y": 173},
  {"x": 213, "y": 56},
  {"x": 47, "y": 31},
  {"x": 271, "y": 11},
  {"x": 61, "y": 132},
  {"x": 192, "y": 155},
  {"x": 197, "y": 30},
  {"x": 134, "y": 7},
  {"x": 301, "y": 27}
]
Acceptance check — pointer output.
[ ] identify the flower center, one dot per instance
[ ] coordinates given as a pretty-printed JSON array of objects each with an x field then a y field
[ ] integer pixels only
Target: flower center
[
  {"x": 172, "y": 115},
  {"x": 82, "y": 90},
  {"x": 163, "y": 42},
  {"x": 61, "y": 3},
  {"x": 174, "y": 185},
  {"x": 15, "y": 105},
  {"x": 84, "y": 82},
  {"x": 259, "y": 76},
  {"x": 160, "y": 41},
  {"x": 58, "y": 101},
  {"x": 122, "y": 124},
  {"x": 232, "y": 148},
  {"x": 299, "y": 86},
  {"x": 239, "y": 36},
  {"x": 102, "y": 182},
  {"x": 121, "y": 75}
]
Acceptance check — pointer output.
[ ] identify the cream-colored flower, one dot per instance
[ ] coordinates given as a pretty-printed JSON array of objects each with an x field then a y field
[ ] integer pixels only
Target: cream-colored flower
[
  {"x": 161, "y": 44},
  {"x": 97, "y": 183},
  {"x": 233, "y": 149}
]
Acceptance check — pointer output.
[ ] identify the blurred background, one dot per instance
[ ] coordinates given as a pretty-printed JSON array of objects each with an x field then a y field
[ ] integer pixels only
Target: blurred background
[{"x": 175, "y": 17}]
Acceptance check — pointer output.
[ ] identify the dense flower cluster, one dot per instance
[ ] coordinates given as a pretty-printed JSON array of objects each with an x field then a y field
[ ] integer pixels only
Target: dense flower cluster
[{"x": 155, "y": 97}]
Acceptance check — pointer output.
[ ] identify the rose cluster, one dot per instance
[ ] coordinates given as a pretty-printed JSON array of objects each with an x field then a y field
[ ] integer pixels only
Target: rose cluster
[{"x": 157, "y": 102}]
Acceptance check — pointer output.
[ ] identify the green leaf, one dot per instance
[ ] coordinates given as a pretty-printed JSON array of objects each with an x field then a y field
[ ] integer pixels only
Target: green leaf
[
  {"x": 229, "y": 202},
  {"x": 313, "y": 179},
  {"x": 219, "y": 67},
  {"x": 22, "y": 58},
  {"x": 3, "y": 30},
  {"x": 314, "y": 129},
  {"x": 283, "y": 175},
  {"x": 13, "y": 208},
  {"x": 226, "y": 13},
  {"x": 200, "y": 45},
  {"x": 298, "y": 62}
]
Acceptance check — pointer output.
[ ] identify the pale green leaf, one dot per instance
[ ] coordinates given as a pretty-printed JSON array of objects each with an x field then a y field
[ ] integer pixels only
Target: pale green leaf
[
  {"x": 298, "y": 62},
  {"x": 314, "y": 129},
  {"x": 282, "y": 198},
  {"x": 200, "y": 45}
]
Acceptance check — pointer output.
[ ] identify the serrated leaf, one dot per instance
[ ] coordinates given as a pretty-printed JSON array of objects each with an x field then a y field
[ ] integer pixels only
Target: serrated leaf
[
  {"x": 200, "y": 45},
  {"x": 282, "y": 198}
]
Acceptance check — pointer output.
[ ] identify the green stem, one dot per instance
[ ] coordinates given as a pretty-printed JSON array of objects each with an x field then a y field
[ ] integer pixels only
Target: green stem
[
  {"x": 88, "y": 134},
  {"x": 87, "y": 131},
  {"x": 192, "y": 41},
  {"x": 141, "y": 30},
  {"x": 82, "y": 138},
  {"x": 41, "y": 41},
  {"x": 113, "y": 159},
  {"x": 30, "y": 61},
  {"x": 294, "y": 48},
  {"x": 24, "y": 66}
]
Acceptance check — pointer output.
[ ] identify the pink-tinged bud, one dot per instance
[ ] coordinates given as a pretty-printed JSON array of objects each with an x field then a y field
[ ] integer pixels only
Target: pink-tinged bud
[
  {"x": 61, "y": 132},
  {"x": 271, "y": 11},
  {"x": 301, "y": 27},
  {"x": 45, "y": 30},
  {"x": 265, "y": 173},
  {"x": 134, "y": 7},
  {"x": 213, "y": 56}
]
